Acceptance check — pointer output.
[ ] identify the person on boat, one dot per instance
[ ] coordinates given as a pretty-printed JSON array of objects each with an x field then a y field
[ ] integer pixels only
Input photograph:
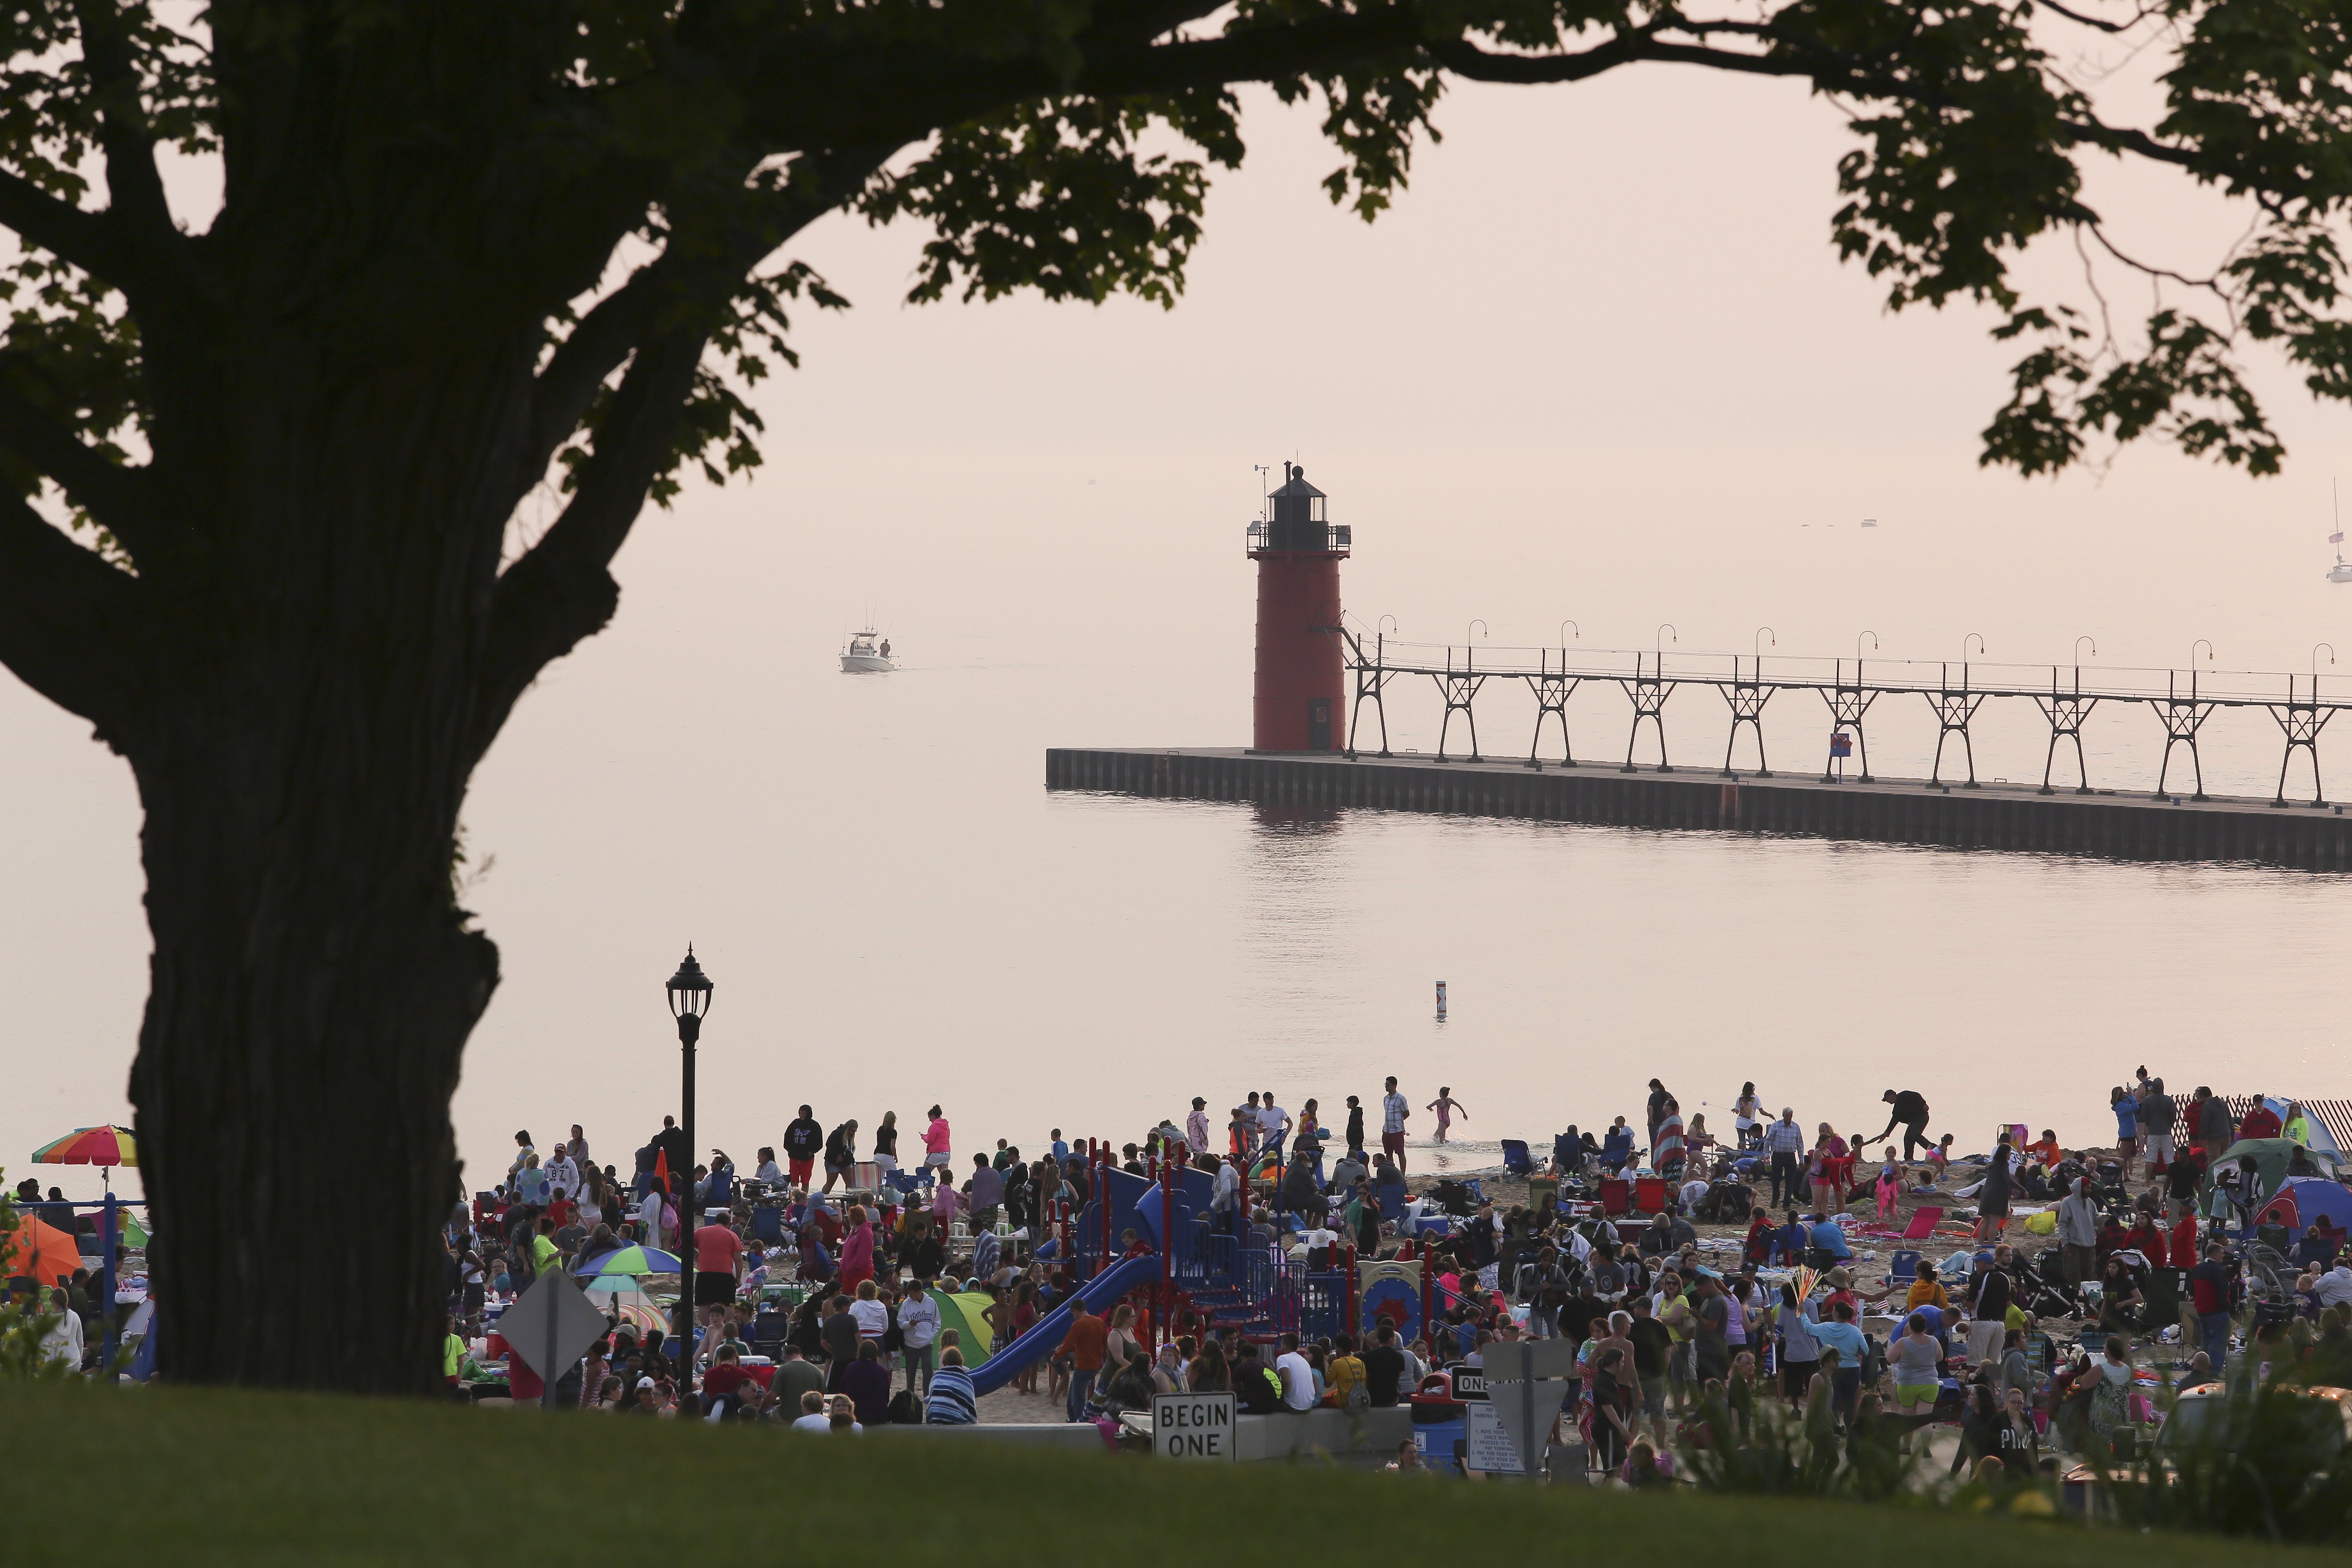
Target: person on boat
[{"x": 885, "y": 647}]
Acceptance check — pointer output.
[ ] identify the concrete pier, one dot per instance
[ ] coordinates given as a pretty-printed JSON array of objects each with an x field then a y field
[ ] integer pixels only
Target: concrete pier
[{"x": 1889, "y": 810}]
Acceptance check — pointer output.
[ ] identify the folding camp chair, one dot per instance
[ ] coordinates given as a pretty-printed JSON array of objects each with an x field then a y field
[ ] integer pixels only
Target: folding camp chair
[
  {"x": 1516, "y": 1158},
  {"x": 1903, "y": 1267},
  {"x": 1616, "y": 1195},
  {"x": 1922, "y": 1224},
  {"x": 1649, "y": 1195}
]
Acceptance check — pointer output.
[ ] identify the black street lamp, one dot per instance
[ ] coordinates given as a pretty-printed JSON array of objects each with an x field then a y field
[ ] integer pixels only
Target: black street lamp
[{"x": 690, "y": 999}]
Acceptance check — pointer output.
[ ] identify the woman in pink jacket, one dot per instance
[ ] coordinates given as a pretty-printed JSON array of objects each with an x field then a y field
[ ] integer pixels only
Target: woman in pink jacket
[
  {"x": 935, "y": 1140},
  {"x": 856, "y": 1251}
]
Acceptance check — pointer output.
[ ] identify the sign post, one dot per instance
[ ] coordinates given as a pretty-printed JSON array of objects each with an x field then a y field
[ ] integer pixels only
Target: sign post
[
  {"x": 1526, "y": 1384},
  {"x": 1487, "y": 1445},
  {"x": 549, "y": 1327},
  {"x": 1192, "y": 1426}
]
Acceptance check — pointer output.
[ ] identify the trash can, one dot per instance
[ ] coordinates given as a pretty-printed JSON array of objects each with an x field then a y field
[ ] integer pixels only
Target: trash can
[{"x": 1440, "y": 1427}]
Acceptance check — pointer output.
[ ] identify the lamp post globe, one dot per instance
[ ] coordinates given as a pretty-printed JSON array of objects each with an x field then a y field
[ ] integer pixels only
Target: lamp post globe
[{"x": 690, "y": 999}]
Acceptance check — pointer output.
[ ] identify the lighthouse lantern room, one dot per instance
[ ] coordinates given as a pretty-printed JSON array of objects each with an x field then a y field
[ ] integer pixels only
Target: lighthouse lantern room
[{"x": 1297, "y": 703}]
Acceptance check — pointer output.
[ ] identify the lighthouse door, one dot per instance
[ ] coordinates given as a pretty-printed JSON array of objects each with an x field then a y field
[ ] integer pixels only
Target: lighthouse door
[{"x": 1318, "y": 724}]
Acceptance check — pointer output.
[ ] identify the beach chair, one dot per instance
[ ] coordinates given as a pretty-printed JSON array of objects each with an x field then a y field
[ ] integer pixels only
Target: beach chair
[
  {"x": 1922, "y": 1224},
  {"x": 1903, "y": 1267},
  {"x": 1616, "y": 1195},
  {"x": 767, "y": 1223},
  {"x": 1649, "y": 1195},
  {"x": 1517, "y": 1161}
]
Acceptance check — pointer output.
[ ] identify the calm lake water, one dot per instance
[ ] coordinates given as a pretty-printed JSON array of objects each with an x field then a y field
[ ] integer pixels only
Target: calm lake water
[{"x": 896, "y": 911}]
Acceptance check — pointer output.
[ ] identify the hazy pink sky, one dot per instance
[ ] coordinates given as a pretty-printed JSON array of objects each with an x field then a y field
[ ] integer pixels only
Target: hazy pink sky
[{"x": 1600, "y": 362}]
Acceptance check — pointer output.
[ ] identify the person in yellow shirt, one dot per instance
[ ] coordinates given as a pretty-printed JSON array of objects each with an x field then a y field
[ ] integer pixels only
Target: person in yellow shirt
[
  {"x": 545, "y": 1256},
  {"x": 1928, "y": 1290},
  {"x": 453, "y": 1352},
  {"x": 1345, "y": 1371}
]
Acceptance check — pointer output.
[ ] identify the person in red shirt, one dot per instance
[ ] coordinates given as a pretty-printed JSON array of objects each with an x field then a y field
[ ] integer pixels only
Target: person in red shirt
[
  {"x": 2183, "y": 1248},
  {"x": 2146, "y": 1236},
  {"x": 2209, "y": 1289},
  {"x": 726, "y": 1377},
  {"x": 1086, "y": 1342},
  {"x": 2261, "y": 1121},
  {"x": 717, "y": 1263}
]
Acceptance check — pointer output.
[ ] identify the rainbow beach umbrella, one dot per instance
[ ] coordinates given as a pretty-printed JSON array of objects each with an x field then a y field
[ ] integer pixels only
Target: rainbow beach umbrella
[
  {"x": 632, "y": 1259},
  {"x": 108, "y": 1146}
]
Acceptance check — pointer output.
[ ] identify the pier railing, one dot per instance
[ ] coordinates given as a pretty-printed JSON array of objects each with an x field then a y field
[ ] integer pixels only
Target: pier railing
[{"x": 2066, "y": 695}]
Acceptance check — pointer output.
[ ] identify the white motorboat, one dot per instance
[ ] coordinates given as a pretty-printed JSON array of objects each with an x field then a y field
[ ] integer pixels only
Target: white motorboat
[{"x": 867, "y": 654}]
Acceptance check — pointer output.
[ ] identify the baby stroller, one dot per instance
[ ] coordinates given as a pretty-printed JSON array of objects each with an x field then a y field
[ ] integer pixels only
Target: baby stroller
[{"x": 2047, "y": 1292}]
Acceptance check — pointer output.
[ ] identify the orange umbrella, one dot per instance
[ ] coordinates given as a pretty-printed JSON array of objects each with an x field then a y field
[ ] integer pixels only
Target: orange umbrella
[{"x": 39, "y": 1250}]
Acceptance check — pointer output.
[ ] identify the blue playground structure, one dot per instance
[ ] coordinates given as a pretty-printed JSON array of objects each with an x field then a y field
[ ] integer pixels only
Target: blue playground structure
[{"x": 1194, "y": 1270}]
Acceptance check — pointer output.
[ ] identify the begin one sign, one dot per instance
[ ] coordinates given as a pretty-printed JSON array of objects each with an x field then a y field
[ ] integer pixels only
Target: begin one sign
[{"x": 1192, "y": 1426}]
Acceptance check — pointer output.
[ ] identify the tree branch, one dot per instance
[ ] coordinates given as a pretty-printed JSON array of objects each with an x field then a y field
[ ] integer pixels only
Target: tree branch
[
  {"x": 818, "y": 92},
  {"x": 81, "y": 238},
  {"x": 70, "y": 625},
  {"x": 2139, "y": 15},
  {"x": 2094, "y": 134},
  {"x": 687, "y": 276},
  {"x": 598, "y": 345},
  {"x": 133, "y": 185},
  {"x": 1464, "y": 59},
  {"x": 115, "y": 495},
  {"x": 561, "y": 590}
]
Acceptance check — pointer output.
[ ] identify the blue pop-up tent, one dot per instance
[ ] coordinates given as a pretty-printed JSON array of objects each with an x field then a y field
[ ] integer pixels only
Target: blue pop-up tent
[{"x": 2300, "y": 1200}]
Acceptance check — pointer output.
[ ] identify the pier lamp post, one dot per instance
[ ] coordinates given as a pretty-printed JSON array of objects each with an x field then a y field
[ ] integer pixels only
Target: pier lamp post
[{"x": 689, "y": 1000}]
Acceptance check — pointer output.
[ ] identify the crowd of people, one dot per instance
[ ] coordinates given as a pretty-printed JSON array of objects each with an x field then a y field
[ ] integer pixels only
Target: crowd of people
[{"x": 1662, "y": 1322}]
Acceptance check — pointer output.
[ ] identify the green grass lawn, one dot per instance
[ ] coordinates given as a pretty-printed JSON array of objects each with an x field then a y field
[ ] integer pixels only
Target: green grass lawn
[{"x": 179, "y": 1476}]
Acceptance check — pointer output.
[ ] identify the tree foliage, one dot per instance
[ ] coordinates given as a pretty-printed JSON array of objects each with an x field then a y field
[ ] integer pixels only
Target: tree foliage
[{"x": 1065, "y": 147}]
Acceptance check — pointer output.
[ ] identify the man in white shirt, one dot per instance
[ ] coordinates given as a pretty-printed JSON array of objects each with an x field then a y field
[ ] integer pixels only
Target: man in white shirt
[
  {"x": 919, "y": 1325},
  {"x": 63, "y": 1343},
  {"x": 1394, "y": 1110},
  {"x": 1298, "y": 1376},
  {"x": 1272, "y": 1121},
  {"x": 1227, "y": 1194},
  {"x": 562, "y": 1175},
  {"x": 2336, "y": 1286}
]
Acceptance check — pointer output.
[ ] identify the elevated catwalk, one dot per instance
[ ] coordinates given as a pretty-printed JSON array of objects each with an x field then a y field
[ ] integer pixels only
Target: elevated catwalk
[{"x": 1889, "y": 810}]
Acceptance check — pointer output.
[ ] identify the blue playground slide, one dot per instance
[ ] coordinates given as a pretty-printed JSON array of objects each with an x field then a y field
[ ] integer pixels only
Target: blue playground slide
[{"x": 1041, "y": 1339}]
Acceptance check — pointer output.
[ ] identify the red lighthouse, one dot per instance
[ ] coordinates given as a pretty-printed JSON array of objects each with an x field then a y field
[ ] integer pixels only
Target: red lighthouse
[{"x": 1297, "y": 703}]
